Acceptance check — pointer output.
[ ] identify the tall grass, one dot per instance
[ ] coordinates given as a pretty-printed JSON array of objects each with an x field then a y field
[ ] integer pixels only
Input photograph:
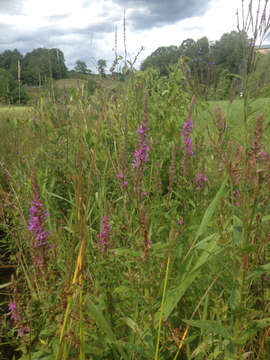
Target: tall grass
[{"x": 151, "y": 252}]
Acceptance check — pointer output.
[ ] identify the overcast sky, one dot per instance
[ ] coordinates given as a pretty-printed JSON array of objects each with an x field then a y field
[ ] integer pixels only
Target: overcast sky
[{"x": 85, "y": 29}]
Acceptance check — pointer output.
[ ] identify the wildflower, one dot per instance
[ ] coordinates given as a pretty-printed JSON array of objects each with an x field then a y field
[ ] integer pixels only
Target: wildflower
[
  {"x": 13, "y": 311},
  {"x": 236, "y": 197},
  {"x": 200, "y": 179},
  {"x": 121, "y": 177},
  {"x": 263, "y": 155},
  {"x": 187, "y": 130},
  {"x": 104, "y": 234},
  {"x": 180, "y": 221},
  {"x": 37, "y": 223},
  {"x": 140, "y": 154},
  {"x": 12, "y": 306},
  {"x": 14, "y": 316}
]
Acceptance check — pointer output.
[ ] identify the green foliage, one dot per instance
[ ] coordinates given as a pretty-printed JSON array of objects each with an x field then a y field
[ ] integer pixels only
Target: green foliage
[
  {"x": 9, "y": 61},
  {"x": 9, "y": 89},
  {"x": 81, "y": 67},
  {"x": 229, "y": 52},
  {"x": 91, "y": 301},
  {"x": 101, "y": 64},
  {"x": 161, "y": 59},
  {"x": 208, "y": 63},
  {"x": 7, "y": 85},
  {"x": 260, "y": 79},
  {"x": 41, "y": 64}
]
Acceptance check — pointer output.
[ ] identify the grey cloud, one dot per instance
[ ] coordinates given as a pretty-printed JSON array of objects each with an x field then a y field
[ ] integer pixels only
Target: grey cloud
[
  {"x": 11, "y": 7},
  {"x": 103, "y": 27},
  {"x": 76, "y": 43},
  {"x": 146, "y": 14},
  {"x": 55, "y": 18}
]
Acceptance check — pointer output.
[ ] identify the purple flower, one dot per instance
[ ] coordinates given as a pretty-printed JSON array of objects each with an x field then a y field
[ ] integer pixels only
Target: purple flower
[
  {"x": 236, "y": 197},
  {"x": 104, "y": 234},
  {"x": 186, "y": 138},
  {"x": 37, "y": 223},
  {"x": 13, "y": 312},
  {"x": 263, "y": 155},
  {"x": 200, "y": 179},
  {"x": 180, "y": 221},
  {"x": 12, "y": 306},
  {"x": 121, "y": 177},
  {"x": 22, "y": 331},
  {"x": 140, "y": 154}
]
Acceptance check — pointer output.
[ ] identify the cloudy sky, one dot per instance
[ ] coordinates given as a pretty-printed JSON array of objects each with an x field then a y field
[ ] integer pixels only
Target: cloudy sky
[{"x": 85, "y": 29}]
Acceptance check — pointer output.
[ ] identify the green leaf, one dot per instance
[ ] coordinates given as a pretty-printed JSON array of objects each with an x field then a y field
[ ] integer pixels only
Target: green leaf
[
  {"x": 2, "y": 286},
  {"x": 191, "y": 272},
  {"x": 210, "y": 210},
  {"x": 127, "y": 252},
  {"x": 210, "y": 326},
  {"x": 104, "y": 325},
  {"x": 59, "y": 197},
  {"x": 263, "y": 323},
  {"x": 258, "y": 271},
  {"x": 175, "y": 295},
  {"x": 130, "y": 323}
]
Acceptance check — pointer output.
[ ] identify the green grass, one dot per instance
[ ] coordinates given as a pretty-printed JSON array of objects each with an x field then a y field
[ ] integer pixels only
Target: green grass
[
  {"x": 14, "y": 108},
  {"x": 181, "y": 271}
]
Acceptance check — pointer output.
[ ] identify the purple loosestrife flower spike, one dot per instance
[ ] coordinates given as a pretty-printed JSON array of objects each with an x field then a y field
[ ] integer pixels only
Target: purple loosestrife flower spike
[
  {"x": 180, "y": 221},
  {"x": 104, "y": 235},
  {"x": 121, "y": 177},
  {"x": 14, "y": 316},
  {"x": 140, "y": 154},
  {"x": 200, "y": 179},
  {"x": 12, "y": 306},
  {"x": 186, "y": 138},
  {"x": 37, "y": 223}
]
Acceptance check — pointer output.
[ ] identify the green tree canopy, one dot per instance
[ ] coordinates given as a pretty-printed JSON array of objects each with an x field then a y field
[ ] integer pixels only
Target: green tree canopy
[
  {"x": 9, "y": 61},
  {"x": 9, "y": 89},
  {"x": 101, "y": 66},
  {"x": 41, "y": 64},
  {"x": 161, "y": 58},
  {"x": 228, "y": 52},
  {"x": 81, "y": 67}
]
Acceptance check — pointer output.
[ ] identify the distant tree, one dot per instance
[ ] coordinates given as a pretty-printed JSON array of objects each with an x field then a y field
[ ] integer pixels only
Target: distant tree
[
  {"x": 203, "y": 48},
  {"x": 161, "y": 58},
  {"x": 81, "y": 67},
  {"x": 228, "y": 52},
  {"x": 41, "y": 64},
  {"x": 260, "y": 79},
  {"x": 101, "y": 66},
  {"x": 9, "y": 89},
  {"x": 9, "y": 61},
  {"x": 7, "y": 85},
  {"x": 189, "y": 48}
]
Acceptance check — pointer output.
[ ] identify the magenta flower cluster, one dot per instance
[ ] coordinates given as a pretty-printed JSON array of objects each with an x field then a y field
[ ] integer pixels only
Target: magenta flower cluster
[
  {"x": 200, "y": 179},
  {"x": 236, "y": 197},
  {"x": 104, "y": 235},
  {"x": 121, "y": 177},
  {"x": 186, "y": 138},
  {"x": 14, "y": 316},
  {"x": 140, "y": 154},
  {"x": 37, "y": 220}
]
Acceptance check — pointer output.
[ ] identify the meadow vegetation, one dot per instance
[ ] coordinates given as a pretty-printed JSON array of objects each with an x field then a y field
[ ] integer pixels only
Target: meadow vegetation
[{"x": 135, "y": 221}]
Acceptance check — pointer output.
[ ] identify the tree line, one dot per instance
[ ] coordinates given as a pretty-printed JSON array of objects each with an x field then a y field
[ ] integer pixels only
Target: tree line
[
  {"x": 215, "y": 67},
  {"x": 34, "y": 69}
]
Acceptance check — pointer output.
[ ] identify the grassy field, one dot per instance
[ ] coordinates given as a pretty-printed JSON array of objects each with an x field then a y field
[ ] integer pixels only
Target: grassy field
[{"x": 137, "y": 226}]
